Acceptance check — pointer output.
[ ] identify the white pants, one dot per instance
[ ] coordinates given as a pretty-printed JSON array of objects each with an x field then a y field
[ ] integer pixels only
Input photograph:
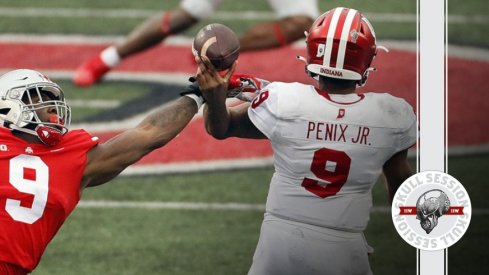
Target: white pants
[
  {"x": 287, "y": 247},
  {"x": 202, "y": 9}
]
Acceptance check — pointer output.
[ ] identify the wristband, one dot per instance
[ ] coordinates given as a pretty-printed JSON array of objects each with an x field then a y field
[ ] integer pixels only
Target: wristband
[{"x": 198, "y": 99}]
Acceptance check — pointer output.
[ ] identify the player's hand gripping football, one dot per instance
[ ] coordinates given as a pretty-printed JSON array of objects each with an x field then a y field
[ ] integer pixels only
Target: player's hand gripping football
[
  {"x": 241, "y": 86},
  {"x": 212, "y": 83}
]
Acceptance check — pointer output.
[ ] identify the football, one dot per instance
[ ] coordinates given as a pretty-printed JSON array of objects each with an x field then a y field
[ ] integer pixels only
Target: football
[{"x": 219, "y": 43}]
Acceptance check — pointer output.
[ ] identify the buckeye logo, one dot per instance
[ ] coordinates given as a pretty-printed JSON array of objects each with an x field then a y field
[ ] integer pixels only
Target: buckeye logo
[{"x": 431, "y": 210}]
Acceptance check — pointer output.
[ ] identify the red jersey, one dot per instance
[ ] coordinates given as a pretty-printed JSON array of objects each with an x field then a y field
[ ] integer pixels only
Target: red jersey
[{"x": 39, "y": 188}]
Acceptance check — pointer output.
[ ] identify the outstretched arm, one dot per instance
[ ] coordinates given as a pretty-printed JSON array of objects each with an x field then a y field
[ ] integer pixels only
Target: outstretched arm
[
  {"x": 154, "y": 29},
  {"x": 107, "y": 160},
  {"x": 275, "y": 33},
  {"x": 222, "y": 121},
  {"x": 396, "y": 171}
]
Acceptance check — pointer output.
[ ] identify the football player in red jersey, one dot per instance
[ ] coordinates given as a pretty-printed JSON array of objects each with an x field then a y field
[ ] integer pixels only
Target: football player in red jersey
[
  {"x": 293, "y": 18},
  {"x": 44, "y": 168},
  {"x": 330, "y": 145}
]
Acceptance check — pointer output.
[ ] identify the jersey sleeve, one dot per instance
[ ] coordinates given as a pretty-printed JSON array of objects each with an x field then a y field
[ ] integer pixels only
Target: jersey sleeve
[
  {"x": 407, "y": 135},
  {"x": 263, "y": 111},
  {"x": 80, "y": 139},
  {"x": 200, "y": 9}
]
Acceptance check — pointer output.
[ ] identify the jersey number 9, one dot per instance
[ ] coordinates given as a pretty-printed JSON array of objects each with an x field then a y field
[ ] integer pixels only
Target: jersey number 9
[
  {"x": 332, "y": 167},
  {"x": 30, "y": 175}
]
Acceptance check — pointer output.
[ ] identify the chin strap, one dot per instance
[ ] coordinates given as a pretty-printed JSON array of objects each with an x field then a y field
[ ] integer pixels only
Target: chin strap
[{"x": 47, "y": 135}]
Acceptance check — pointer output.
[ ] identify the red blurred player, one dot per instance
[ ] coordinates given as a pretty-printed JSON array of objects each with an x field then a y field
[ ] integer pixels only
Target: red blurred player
[{"x": 294, "y": 17}]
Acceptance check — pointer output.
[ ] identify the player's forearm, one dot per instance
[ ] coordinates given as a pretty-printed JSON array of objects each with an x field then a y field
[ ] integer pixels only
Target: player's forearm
[
  {"x": 395, "y": 175},
  {"x": 396, "y": 171},
  {"x": 109, "y": 159},
  {"x": 217, "y": 120},
  {"x": 275, "y": 33},
  {"x": 165, "y": 123}
]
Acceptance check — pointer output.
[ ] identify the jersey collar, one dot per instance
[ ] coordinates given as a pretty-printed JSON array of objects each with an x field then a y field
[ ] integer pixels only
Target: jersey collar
[{"x": 352, "y": 99}]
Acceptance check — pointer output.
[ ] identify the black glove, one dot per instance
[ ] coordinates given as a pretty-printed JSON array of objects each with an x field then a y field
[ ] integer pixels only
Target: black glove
[
  {"x": 193, "y": 91},
  {"x": 193, "y": 88}
]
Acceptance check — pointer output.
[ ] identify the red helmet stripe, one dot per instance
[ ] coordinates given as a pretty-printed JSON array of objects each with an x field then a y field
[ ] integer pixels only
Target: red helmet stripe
[{"x": 344, "y": 38}]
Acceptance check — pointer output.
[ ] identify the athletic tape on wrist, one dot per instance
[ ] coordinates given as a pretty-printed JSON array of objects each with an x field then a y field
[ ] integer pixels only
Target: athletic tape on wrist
[
  {"x": 198, "y": 99},
  {"x": 165, "y": 23}
]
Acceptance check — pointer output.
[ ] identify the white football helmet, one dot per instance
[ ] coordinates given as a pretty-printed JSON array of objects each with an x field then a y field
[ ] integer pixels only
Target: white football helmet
[{"x": 18, "y": 111}]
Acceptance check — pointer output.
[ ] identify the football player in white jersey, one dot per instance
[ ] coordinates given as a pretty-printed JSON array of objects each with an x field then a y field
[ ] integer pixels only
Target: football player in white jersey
[
  {"x": 293, "y": 17},
  {"x": 330, "y": 145}
]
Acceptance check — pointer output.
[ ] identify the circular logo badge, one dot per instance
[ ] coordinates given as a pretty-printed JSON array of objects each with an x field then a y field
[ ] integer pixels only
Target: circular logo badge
[{"x": 431, "y": 210}]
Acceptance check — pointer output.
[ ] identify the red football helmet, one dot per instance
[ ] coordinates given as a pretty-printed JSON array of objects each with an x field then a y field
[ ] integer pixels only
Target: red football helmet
[{"x": 341, "y": 44}]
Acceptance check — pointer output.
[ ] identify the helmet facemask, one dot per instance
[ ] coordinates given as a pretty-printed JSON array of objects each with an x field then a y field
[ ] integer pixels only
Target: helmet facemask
[{"x": 21, "y": 107}]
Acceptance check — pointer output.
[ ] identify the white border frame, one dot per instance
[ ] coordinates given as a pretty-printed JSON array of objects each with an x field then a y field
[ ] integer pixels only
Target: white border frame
[{"x": 432, "y": 108}]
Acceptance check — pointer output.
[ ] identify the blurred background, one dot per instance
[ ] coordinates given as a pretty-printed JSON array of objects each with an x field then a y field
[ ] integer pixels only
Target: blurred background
[{"x": 195, "y": 206}]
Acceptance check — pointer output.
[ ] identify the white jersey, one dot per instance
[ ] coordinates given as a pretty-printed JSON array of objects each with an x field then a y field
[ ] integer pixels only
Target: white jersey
[
  {"x": 203, "y": 9},
  {"x": 329, "y": 150}
]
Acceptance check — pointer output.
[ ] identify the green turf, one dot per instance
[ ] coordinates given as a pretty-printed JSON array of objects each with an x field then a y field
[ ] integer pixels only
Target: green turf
[
  {"x": 231, "y": 186},
  {"x": 473, "y": 173},
  {"x": 92, "y": 4},
  {"x": 153, "y": 242},
  {"x": 142, "y": 241},
  {"x": 391, "y": 254},
  {"x": 468, "y": 35}
]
